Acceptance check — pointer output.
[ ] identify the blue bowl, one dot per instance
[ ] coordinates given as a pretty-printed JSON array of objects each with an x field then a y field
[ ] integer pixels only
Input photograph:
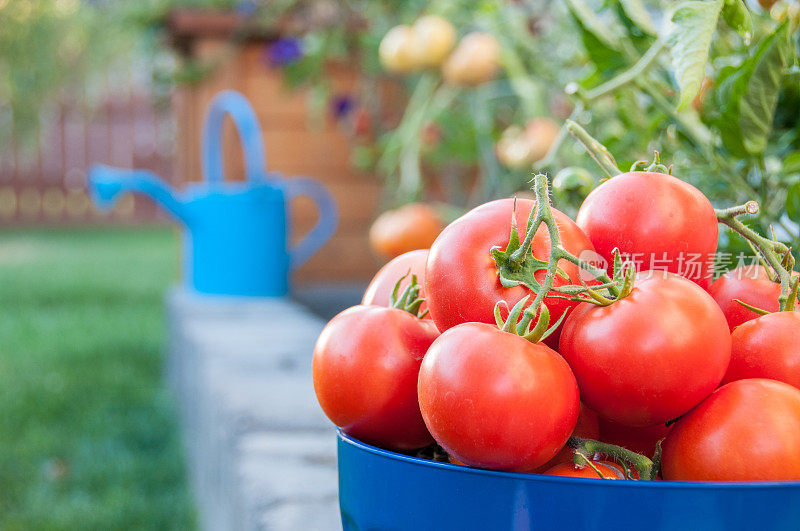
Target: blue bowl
[{"x": 381, "y": 490}]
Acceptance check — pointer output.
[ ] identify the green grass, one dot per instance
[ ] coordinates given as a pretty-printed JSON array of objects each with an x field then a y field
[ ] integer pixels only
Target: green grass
[{"x": 88, "y": 434}]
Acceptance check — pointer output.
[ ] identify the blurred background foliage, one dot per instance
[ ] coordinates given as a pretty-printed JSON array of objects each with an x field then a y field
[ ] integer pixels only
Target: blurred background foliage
[{"x": 714, "y": 86}]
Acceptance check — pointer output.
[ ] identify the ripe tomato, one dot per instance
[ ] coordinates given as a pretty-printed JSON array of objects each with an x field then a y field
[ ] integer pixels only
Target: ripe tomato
[
  {"x": 749, "y": 284},
  {"x": 609, "y": 469},
  {"x": 495, "y": 400},
  {"x": 379, "y": 291},
  {"x": 475, "y": 60},
  {"x": 651, "y": 356},
  {"x": 461, "y": 279},
  {"x": 767, "y": 347},
  {"x": 365, "y": 369},
  {"x": 587, "y": 427},
  {"x": 640, "y": 440},
  {"x": 748, "y": 430},
  {"x": 408, "y": 228},
  {"x": 656, "y": 220}
]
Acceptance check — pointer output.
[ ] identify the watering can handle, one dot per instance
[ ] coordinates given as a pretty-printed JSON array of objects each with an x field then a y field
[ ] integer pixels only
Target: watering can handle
[
  {"x": 238, "y": 108},
  {"x": 326, "y": 224}
]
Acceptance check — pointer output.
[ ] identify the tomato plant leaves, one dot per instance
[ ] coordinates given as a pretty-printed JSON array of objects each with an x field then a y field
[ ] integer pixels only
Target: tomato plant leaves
[
  {"x": 600, "y": 41},
  {"x": 737, "y": 16},
  {"x": 793, "y": 203},
  {"x": 791, "y": 164},
  {"x": 637, "y": 12},
  {"x": 750, "y": 92},
  {"x": 695, "y": 22}
]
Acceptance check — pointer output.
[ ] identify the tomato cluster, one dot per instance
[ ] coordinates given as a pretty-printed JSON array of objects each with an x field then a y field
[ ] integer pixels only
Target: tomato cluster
[{"x": 509, "y": 348}]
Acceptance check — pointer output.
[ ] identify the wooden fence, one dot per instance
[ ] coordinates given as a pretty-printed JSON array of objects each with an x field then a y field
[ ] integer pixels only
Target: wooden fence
[{"x": 116, "y": 122}]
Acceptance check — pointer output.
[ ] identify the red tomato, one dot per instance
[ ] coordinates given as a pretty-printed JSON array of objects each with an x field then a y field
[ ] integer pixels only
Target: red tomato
[
  {"x": 609, "y": 469},
  {"x": 495, "y": 400},
  {"x": 749, "y": 284},
  {"x": 657, "y": 221},
  {"x": 768, "y": 347},
  {"x": 651, "y": 356},
  {"x": 748, "y": 430},
  {"x": 640, "y": 440},
  {"x": 461, "y": 280},
  {"x": 587, "y": 427},
  {"x": 365, "y": 369},
  {"x": 379, "y": 291}
]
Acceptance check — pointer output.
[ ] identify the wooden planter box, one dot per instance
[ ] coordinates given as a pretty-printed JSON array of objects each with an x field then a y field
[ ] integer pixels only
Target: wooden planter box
[{"x": 296, "y": 144}]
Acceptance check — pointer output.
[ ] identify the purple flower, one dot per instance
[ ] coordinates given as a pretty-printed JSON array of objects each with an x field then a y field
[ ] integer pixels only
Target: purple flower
[
  {"x": 284, "y": 52},
  {"x": 342, "y": 105}
]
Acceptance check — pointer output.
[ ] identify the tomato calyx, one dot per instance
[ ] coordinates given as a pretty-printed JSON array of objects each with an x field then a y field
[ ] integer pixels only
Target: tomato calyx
[
  {"x": 776, "y": 256},
  {"x": 516, "y": 265},
  {"x": 646, "y": 468},
  {"x": 654, "y": 167},
  {"x": 522, "y": 327},
  {"x": 409, "y": 301}
]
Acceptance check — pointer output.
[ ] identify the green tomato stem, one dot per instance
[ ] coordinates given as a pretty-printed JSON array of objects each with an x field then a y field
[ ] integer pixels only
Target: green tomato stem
[
  {"x": 645, "y": 466},
  {"x": 543, "y": 214},
  {"x": 628, "y": 76},
  {"x": 774, "y": 253},
  {"x": 598, "y": 151}
]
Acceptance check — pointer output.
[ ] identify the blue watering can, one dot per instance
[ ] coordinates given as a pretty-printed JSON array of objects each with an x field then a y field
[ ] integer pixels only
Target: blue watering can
[{"x": 235, "y": 234}]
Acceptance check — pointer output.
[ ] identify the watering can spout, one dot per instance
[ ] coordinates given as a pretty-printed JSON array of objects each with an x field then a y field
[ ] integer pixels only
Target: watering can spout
[{"x": 106, "y": 184}]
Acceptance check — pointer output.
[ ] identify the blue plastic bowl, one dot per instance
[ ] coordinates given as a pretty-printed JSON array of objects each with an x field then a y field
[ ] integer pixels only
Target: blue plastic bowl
[{"x": 381, "y": 490}]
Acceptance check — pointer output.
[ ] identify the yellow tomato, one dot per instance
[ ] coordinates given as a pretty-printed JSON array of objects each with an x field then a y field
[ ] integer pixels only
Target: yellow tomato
[
  {"x": 434, "y": 38},
  {"x": 397, "y": 50}
]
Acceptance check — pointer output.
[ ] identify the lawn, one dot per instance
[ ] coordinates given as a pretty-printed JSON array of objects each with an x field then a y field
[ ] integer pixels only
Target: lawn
[{"x": 88, "y": 432}]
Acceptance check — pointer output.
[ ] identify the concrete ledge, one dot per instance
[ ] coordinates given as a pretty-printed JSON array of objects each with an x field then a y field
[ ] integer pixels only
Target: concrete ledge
[{"x": 261, "y": 453}]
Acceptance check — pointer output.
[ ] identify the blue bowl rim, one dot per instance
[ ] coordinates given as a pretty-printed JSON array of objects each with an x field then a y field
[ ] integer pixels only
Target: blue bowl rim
[{"x": 666, "y": 485}]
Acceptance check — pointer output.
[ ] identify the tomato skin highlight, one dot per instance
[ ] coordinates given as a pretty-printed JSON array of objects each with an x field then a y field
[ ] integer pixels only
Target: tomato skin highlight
[
  {"x": 749, "y": 284},
  {"x": 609, "y": 469},
  {"x": 379, "y": 291},
  {"x": 365, "y": 368},
  {"x": 461, "y": 280},
  {"x": 653, "y": 217},
  {"x": 767, "y": 347},
  {"x": 651, "y": 356},
  {"x": 748, "y": 430},
  {"x": 494, "y": 400},
  {"x": 640, "y": 440}
]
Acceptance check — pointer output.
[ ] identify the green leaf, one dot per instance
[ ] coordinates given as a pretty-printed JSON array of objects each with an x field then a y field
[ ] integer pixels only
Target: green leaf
[
  {"x": 791, "y": 164},
  {"x": 750, "y": 95},
  {"x": 695, "y": 22},
  {"x": 594, "y": 24},
  {"x": 757, "y": 109},
  {"x": 636, "y": 11},
  {"x": 601, "y": 42},
  {"x": 793, "y": 203},
  {"x": 737, "y": 16}
]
